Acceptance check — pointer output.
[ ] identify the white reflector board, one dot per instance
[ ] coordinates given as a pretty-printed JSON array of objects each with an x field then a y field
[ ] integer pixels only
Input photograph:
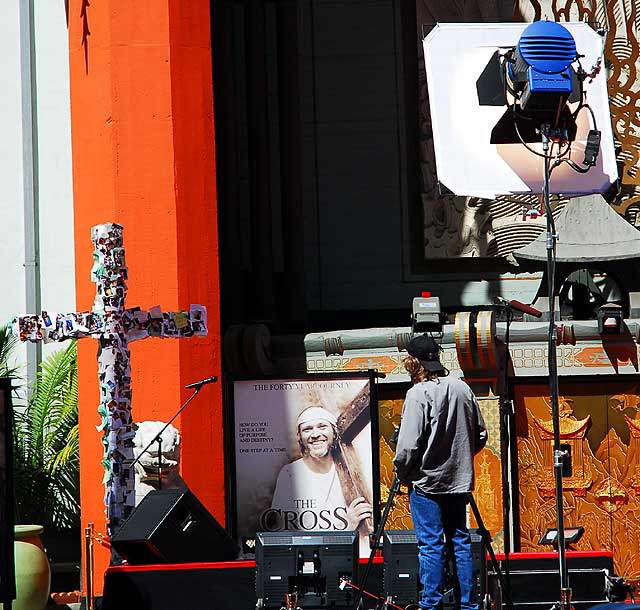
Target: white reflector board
[{"x": 456, "y": 54}]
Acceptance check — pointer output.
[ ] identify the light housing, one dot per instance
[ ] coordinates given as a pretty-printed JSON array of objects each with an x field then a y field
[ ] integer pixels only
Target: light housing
[
  {"x": 571, "y": 534},
  {"x": 540, "y": 69},
  {"x": 464, "y": 70},
  {"x": 610, "y": 319},
  {"x": 426, "y": 315}
]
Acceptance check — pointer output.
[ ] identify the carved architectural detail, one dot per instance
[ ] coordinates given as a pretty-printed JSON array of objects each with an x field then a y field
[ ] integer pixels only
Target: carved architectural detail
[
  {"x": 389, "y": 417},
  {"x": 572, "y": 432},
  {"x": 603, "y": 493},
  {"x": 475, "y": 335},
  {"x": 488, "y": 493}
]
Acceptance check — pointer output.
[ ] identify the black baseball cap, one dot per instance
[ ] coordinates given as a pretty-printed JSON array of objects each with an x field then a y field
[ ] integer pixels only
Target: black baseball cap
[{"x": 427, "y": 351}]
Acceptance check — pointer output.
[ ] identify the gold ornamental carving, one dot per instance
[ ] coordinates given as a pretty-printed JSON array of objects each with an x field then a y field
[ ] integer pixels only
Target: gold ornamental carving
[
  {"x": 572, "y": 433},
  {"x": 488, "y": 488},
  {"x": 600, "y": 420}
]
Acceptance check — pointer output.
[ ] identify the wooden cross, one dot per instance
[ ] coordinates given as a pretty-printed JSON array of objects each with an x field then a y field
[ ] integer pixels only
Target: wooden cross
[
  {"x": 351, "y": 421},
  {"x": 114, "y": 327}
]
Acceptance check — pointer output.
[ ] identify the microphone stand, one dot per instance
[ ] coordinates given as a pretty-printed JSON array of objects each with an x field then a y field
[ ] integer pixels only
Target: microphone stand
[{"x": 158, "y": 437}]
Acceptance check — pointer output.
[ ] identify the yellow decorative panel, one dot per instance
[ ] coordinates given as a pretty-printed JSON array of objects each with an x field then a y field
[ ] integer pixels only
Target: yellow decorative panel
[
  {"x": 601, "y": 422},
  {"x": 488, "y": 492}
]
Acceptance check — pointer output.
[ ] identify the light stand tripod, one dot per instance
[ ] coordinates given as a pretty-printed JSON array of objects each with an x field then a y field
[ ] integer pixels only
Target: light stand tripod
[
  {"x": 484, "y": 533},
  {"x": 558, "y": 454},
  {"x": 505, "y": 410}
]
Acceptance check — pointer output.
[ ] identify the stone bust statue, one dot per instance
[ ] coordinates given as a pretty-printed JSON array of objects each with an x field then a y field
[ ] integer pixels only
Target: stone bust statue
[{"x": 147, "y": 467}]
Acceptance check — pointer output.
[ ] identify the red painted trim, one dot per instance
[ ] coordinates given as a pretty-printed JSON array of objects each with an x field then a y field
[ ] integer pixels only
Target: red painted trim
[
  {"x": 164, "y": 567},
  {"x": 554, "y": 555},
  {"x": 376, "y": 559}
]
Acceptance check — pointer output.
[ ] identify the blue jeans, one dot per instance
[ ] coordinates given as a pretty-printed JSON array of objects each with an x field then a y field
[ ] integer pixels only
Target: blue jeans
[{"x": 440, "y": 520}]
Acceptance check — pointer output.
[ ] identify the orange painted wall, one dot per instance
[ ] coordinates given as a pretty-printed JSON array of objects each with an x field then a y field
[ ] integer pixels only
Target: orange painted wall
[{"x": 143, "y": 156}]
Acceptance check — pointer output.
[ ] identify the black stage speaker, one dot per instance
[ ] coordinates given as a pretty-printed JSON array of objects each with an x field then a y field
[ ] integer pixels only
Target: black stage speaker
[
  {"x": 535, "y": 579},
  {"x": 480, "y": 578},
  {"x": 172, "y": 526},
  {"x": 401, "y": 578},
  {"x": 311, "y": 563}
]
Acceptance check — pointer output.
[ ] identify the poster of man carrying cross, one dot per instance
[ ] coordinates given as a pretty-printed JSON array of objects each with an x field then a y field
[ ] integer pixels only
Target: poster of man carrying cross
[{"x": 304, "y": 458}]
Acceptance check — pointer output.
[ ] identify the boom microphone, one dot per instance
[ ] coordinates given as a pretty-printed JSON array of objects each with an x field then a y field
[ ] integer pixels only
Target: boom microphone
[
  {"x": 198, "y": 384},
  {"x": 518, "y": 306}
]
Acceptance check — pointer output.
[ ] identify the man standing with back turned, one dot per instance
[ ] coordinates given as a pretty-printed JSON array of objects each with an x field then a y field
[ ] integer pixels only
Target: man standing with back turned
[{"x": 441, "y": 430}]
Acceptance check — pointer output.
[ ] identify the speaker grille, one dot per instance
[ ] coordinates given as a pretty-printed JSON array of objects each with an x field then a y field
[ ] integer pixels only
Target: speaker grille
[
  {"x": 329, "y": 539},
  {"x": 276, "y": 540},
  {"x": 406, "y": 538}
]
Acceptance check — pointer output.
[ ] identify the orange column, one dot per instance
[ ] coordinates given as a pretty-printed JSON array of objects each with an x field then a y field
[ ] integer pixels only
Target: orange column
[{"x": 143, "y": 156}]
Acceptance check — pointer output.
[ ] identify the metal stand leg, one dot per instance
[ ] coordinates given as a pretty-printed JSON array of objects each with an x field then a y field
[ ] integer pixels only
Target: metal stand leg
[
  {"x": 505, "y": 415},
  {"x": 486, "y": 539},
  {"x": 359, "y": 605},
  {"x": 88, "y": 540},
  {"x": 565, "y": 591},
  {"x": 159, "y": 461}
]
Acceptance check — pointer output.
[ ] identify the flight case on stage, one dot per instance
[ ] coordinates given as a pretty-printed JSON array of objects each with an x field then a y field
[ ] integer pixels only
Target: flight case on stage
[
  {"x": 401, "y": 581},
  {"x": 535, "y": 579}
]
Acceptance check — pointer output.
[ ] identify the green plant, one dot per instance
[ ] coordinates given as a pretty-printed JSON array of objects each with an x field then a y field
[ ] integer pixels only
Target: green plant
[
  {"x": 46, "y": 464},
  {"x": 7, "y": 345}
]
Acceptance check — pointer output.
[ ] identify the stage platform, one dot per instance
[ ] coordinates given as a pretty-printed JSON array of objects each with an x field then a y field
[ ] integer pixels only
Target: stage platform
[{"x": 231, "y": 585}]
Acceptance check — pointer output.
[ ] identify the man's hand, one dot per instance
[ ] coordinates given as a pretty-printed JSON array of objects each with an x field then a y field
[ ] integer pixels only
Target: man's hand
[{"x": 358, "y": 510}]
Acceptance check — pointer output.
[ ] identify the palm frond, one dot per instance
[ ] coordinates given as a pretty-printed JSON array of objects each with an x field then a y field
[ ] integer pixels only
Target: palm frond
[
  {"x": 46, "y": 448},
  {"x": 68, "y": 454},
  {"x": 7, "y": 345},
  {"x": 54, "y": 381}
]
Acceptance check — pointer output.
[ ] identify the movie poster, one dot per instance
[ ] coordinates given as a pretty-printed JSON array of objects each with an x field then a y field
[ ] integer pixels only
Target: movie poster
[{"x": 304, "y": 459}]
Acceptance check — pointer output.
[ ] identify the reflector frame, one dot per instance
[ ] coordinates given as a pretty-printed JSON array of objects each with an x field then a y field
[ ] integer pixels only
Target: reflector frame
[{"x": 467, "y": 163}]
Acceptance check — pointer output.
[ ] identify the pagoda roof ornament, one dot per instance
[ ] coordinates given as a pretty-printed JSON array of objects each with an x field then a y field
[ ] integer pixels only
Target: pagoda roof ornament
[
  {"x": 570, "y": 426},
  {"x": 590, "y": 231}
]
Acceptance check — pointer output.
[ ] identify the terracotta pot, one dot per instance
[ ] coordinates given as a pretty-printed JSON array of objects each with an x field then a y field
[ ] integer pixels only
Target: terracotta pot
[{"x": 33, "y": 573}]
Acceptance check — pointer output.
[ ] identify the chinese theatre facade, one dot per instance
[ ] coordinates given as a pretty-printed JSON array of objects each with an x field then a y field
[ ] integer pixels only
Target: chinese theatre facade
[{"x": 599, "y": 386}]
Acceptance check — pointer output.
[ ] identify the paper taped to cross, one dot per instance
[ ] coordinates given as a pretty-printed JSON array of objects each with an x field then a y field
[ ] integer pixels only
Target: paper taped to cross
[
  {"x": 114, "y": 327},
  {"x": 304, "y": 458},
  {"x": 51, "y": 327}
]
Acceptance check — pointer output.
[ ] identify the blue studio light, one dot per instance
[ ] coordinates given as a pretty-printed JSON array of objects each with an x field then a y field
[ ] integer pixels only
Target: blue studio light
[{"x": 540, "y": 70}]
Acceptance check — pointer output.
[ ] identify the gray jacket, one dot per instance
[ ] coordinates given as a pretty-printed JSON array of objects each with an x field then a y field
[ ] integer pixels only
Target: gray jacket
[{"x": 440, "y": 432}]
